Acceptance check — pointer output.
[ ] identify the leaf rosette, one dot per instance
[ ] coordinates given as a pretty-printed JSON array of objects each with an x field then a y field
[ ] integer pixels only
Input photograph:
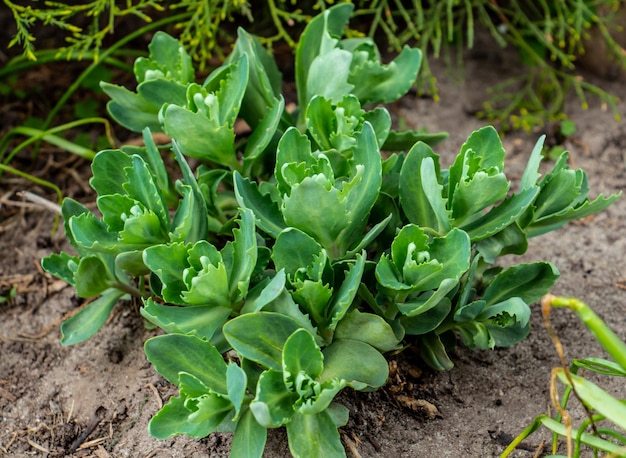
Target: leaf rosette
[{"x": 421, "y": 271}]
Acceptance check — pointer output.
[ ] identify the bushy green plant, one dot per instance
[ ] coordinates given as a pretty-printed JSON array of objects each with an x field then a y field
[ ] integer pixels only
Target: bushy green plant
[
  {"x": 602, "y": 431},
  {"x": 293, "y": 258}
]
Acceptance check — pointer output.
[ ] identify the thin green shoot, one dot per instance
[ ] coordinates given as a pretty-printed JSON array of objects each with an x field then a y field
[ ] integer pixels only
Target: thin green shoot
[
  {"x": 39, "y": 181},
  {"x": 50, "y": 136}
]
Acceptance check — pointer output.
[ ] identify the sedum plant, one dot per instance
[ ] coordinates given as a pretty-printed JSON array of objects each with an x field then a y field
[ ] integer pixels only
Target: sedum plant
[{"x": 288, "y": 263}]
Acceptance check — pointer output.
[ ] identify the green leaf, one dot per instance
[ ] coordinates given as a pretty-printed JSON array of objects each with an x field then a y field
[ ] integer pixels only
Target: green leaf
[
  {"x": 346, "y": 293},
  {"x": 598, "y": 399},
  {"x": 260, "y": 337},
  {"x": 87, "y": 321},
  {"x": 92, "y": 235},
  {"x": 510, "y": 240},
  {"x": 92, "y": 277},
  {"x": 109, "y": 172},
  {"x": 168, "y": 59},
  {"x": 301, "y": 355},
  {"x": 228, "y": 83},
  {"x": 526, "y": 281},
  {"x": 198, "y": 320},
  {"x": 319, "y": 37},
  {"x": 259, "y": 297},
  {"x": 317, "y": 208},
  {"x": 131, "y": 110},
  {"x": 487, "y": 144},
  {"x": 531, "y": 173},
  {"x": 403, "y": 141},
  {"x": 173, "y": 419},
  {"x": 558, "y": 192},
  {"x": 429, "y": 300},
  {"x": 601, "y": 366},
  {"x": 359, "y": 364},
  {"x": 266, "y": 212},
  {"x": 477, "y": 193},
  {"x": 339, "y": 413},
  {"x": 244, "y": 259},
  {"x": 171, "y": 354},
  {"x": 500, "y": 216},
  {"x": 158, "y": 92},
  {"x": 362, "y": 191},
  {"x": 210, "y": 411},
  {"x": 285, "y": 305},
  {"x": 249, "y": 438},
  {"x": 428, "y": 319},
  {"x": 140, "y": 186},
  {"x": 207, "y": 277},
  {"x": 69, "y": 209},
  {"x": 369, "y": 328},
  {"x": 334, "y": 127},
  {"x": 169, "y": 262},
  {"x": 157, "y": 166},
  {"x": 555, "y": 221},
  {"x": 273, "y": 405},
  {"x": 507, "y": 321},
  {"x": 200, "y": 138},
  {"x": 61, "y": 265},
  {"x": 433, "y": 352},
  {"x": 264, "y": 80},
  {"x": 314, "y": 297},
  {"x": 377, "y": 83},
  {"x": 236, "y": 381},
  {"x": 328, "y": 75},
  {"x": 263, "y": 134},
  {"x": 416, "y": 195},
  {"x": 294, "y": 250},
  {"x": 314, "y": 435}
]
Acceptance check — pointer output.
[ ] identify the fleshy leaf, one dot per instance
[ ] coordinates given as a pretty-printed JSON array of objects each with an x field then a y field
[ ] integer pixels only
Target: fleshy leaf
[
  {"x": 171, "y": 354},
  {"x": 92, "y": 277},
  {"x": 266, "y": 212},
  {"x": 273, "y": 405},
  {"x": 369, "y": 328},
  {"x": 526, "y": 281},
  {"x": 377, "y": 83},
  {"x": 359, "y": 364},
  {"x": 302, "y": 355},
  {"x": 236, "y": 381},
  {"x": 198, "y": 320},
  {"x": 314, "y": 435},
  {"x": 260, "y": 337},
  {"x": 249, "y": 438},
  {"x": 87, "y": 321}
]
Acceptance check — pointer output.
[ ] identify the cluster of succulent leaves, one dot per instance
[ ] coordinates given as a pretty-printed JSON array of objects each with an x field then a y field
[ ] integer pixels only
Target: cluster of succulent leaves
[{"x": 292, "y": 258}]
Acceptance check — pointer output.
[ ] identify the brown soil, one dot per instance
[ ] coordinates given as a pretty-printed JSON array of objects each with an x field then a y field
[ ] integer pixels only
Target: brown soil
[{"x": 95, "y": 399}]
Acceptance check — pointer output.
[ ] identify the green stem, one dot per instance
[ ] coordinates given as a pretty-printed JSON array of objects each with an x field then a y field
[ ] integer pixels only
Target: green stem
[
  {"x": 523, "y": 435},
  {"x": 41, "y": 182},
  {"x": 603, "y": 334},
  {"x": 282, "y": 33},
  {"x": 128, "y": 289},
  {"x": 20, "y": 63},
  {"x": 48, "y": 135}
]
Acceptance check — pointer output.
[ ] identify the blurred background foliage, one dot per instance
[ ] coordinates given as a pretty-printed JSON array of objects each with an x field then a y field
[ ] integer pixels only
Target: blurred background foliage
[{"x": 549, "y": 38}]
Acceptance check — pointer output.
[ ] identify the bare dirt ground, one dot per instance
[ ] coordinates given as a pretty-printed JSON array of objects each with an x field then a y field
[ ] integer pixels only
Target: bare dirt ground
[{"x": 95, "y": 399}]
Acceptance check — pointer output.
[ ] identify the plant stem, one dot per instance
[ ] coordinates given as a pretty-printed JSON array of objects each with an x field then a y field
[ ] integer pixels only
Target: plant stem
[
  {"x": 41, "y": 182},
  {"x": 48, "y": 135},
  {"x": 604, "y": 334},
  {"x": 128, "y": 289},
  {"x": 282, "y": 33}
]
